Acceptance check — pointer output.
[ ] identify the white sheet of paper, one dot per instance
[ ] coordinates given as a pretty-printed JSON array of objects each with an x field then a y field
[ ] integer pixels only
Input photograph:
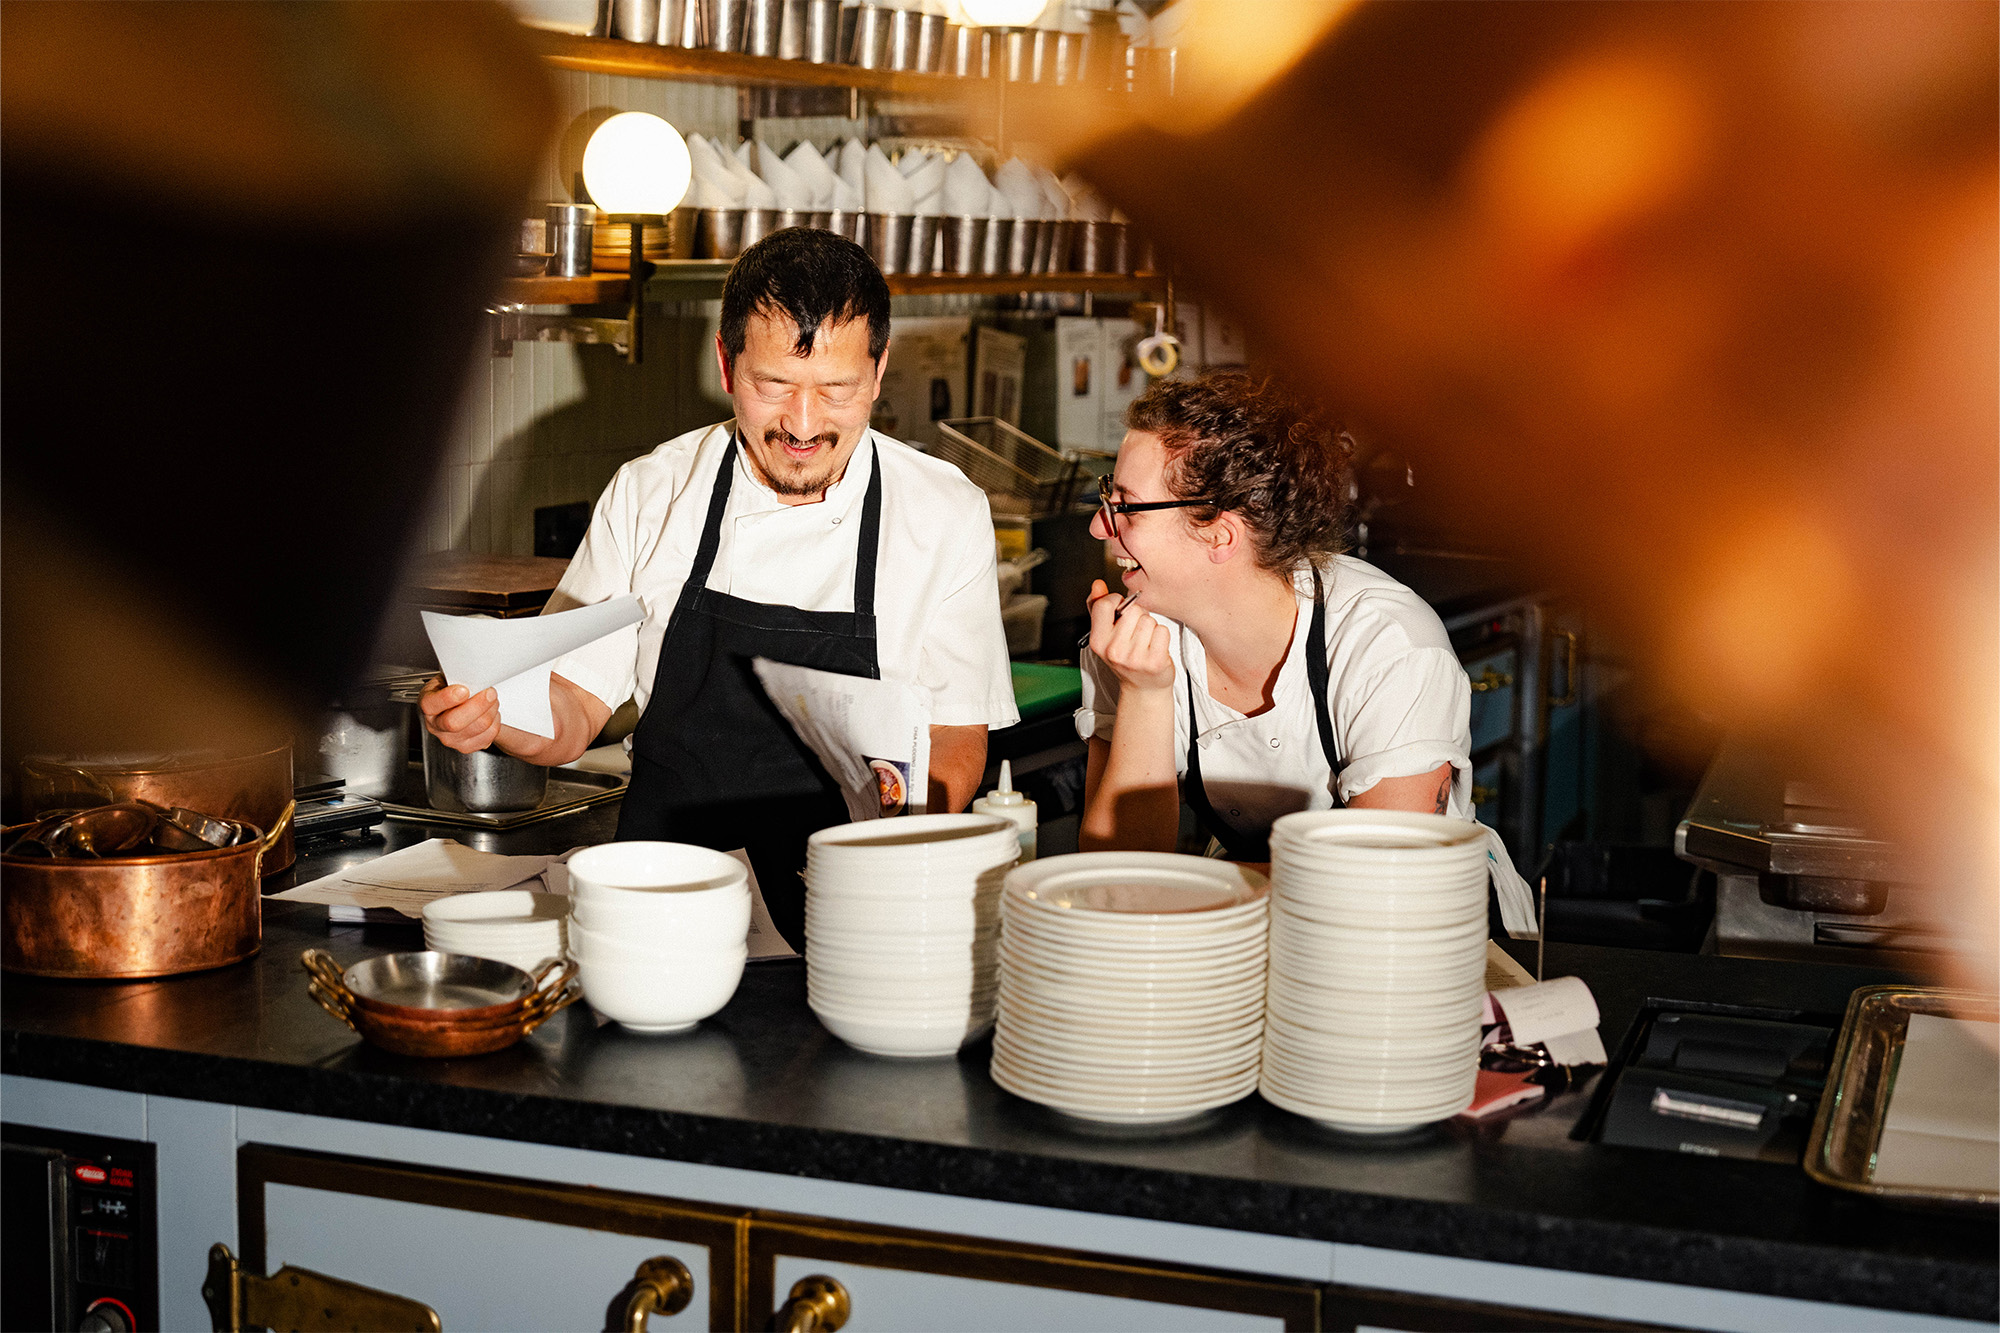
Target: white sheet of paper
[
  {"x": 1936, "y": 1161},
  {"x": 1948, "y": 1080},
  {"x": 1502, "y": 972},
  {"x": 515, "y": 656},
  {"x": 1548, "y": 1009},
  {"x": 403, "y": 881},
  {"x": 853, "y": 723}
]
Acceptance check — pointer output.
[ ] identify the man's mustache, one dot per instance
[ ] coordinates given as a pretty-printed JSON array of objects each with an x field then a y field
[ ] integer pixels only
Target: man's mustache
[{"x": 783, "y": 437}]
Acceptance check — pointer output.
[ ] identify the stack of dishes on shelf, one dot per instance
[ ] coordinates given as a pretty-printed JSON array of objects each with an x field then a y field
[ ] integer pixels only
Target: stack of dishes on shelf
[
  {"x": 1131, "y": 985},
  {"x": 659, "y": 930},
  {"x": 517, "y": 926},
  {"x": 902, "y": 921},
  {"x": 1378, "y": 965}
]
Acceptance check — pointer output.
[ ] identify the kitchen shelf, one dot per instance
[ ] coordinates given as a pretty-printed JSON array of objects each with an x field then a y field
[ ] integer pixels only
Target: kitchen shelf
[
  {"x": 611, "y": 288},
  {"x": 612, "y": 55}
]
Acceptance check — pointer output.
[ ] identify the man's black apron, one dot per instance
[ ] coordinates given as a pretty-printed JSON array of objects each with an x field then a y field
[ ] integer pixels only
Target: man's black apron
[
  {"x": 713, "y": 761},
  {"x": 1239, "y": 845}
]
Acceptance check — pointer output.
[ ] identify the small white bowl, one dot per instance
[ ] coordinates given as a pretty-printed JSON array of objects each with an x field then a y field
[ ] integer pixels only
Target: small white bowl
[
  {"x": 657, "y": 951},
  {"x": 671, "y": 998},
  {"x": 902, "y": 1040}
]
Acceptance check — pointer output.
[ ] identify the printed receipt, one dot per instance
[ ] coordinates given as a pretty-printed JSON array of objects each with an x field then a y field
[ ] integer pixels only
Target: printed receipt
[{"x": 1560, "y": 1014}]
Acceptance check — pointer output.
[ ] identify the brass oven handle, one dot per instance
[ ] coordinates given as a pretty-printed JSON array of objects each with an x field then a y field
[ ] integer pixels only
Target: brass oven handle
[
  {"x": 1569, "y": 638},
  {"x": 819, "y": 1304},
  {"x": 662, "y": 1285}
]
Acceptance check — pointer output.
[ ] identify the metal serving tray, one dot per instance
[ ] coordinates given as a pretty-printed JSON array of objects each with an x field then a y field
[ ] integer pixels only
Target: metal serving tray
[
  {"x": 1841, "y": 1149},
  {"x": 570, "y": 789}
]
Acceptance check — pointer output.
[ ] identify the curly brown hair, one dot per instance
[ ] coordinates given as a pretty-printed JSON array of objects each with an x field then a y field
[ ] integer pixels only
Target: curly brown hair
[{"x": 1247, "y": 443}]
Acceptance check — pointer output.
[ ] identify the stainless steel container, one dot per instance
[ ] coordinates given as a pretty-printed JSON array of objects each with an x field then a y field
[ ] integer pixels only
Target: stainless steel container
[
  {"x": 1044, "y": 237},
  {"x": 1100, "y": 247},
  {"x": 820, "y": 219},
  {"x": 485, "y": 782},
  {"x": 1015, "y": 55},
  {"x": 922, "y": 257},
  {"x": 905, "y": 34},
  {"x": 680, "y": 233},
  {"x": 1040, "y": 58},
  {"x": 820, "y": 38},
  {"x": 869, "y": 45},
  {"x": 1068, "y": 57},
  {"x": 757, "y": 224},
  {"x": 963, "y": 242},
  {"x": 568, "y": 228},
  {"x": 1061, "y": 233},
  {"x": 887, "y": 240},
  {"x": 1021, "y": 246},
  {"x": 763, "y": 28},
  {"x": 934, "y": 44},
  {"x": 847, "y": 223},
  {"x": 683, "y": 23},
  {"x": 993, "y": 250},
  {"x": 792, "y": 217},
  {"x": 968, "y": 52},
  {"x": 726, "y": 21},
  {"x": 792, "y": 30},
  {"x": 718, "y": 233},
  {"x": 636, "y": 20}
]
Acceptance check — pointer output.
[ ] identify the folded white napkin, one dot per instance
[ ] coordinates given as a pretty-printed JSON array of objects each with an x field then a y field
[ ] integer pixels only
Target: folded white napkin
[
  {"x": 710, "y": 170},
  {"x": 966, "y": 191},
  {"x": 846, "y": 199},
  {"x": 758, "y": 194},
  {"x": 813, "y": 170},
  {"x": 928, "y": 178},
  {"x": 912, "y": 161},
  {"x": 888, "y": 192},
  {"x": 703, "y": 194},
  {"x": 1085, "y": 204},
  {"x": 788, "y": 185},
  {"x": 1118, "y": 215},
  {"x": 998, "y": 205},
  {"x": 746, "y": 153},
  {"x": 930, "y": 205},
  {"x": 1055, "y": 199},
  {"x": 852, "y": 154},
  {"x": 1016, "y": 180}
]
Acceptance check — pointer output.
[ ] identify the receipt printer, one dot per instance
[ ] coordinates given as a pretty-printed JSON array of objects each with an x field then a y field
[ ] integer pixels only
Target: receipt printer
[{"x": 1719, "y": 1086}]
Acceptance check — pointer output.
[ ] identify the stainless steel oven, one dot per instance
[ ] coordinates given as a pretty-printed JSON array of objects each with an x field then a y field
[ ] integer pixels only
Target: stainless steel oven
[{"x": 80, "y": 1220}]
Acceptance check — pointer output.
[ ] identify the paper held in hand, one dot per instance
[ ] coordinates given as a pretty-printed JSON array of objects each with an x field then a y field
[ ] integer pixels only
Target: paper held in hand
[
  {"x": 515, "y": 657},
  {"x": 872, "y": 736}
]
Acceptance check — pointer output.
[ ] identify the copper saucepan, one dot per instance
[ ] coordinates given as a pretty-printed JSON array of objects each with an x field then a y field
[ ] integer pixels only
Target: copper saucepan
[
  {"x": 134, "y": 916},
  {"x": 250, "y": 788}
]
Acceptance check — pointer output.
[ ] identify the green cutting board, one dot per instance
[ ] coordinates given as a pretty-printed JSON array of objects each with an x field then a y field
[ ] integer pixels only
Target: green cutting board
[{"x": 1040, "y": 691}]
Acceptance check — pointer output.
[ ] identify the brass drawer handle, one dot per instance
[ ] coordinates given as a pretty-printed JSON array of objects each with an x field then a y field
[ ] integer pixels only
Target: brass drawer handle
[
  {"x": 662, "y": 1285},
  {"x": 1481, "y": 795},
  {"x": 818, "y": 1305},
  {"x": 1490, "y": 680}
]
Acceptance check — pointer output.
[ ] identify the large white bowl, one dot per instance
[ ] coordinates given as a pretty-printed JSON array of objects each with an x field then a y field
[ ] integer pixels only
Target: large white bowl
[
  {"x": 660, "y": 998},
  {"x": 654, "y": 951},
  {"x": 900, "y": 1038}
]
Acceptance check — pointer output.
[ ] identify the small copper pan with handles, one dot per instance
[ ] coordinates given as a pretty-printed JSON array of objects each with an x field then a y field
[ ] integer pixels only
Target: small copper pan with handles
[{"x": 134, "y": 916}]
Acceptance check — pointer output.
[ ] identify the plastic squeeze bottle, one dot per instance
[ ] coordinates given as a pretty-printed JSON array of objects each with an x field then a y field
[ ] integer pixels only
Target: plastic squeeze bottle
[{"x": 1007, "y": 803}]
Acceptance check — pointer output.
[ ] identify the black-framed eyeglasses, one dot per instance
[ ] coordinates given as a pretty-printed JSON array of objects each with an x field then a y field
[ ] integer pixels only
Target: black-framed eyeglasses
[{"x": 1113, "y": 508}]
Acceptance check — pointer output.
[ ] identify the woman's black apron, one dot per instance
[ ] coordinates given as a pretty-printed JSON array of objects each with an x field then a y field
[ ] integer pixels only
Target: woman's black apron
[
  {"x": 1239, "y": 845},
  {"x": 713, "y": 761}
]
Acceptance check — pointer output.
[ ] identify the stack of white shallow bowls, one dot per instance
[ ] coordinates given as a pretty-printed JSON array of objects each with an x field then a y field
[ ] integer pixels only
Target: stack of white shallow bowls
[
  {"x": 902, "y": 920},
  {"x": 659, "y": 930},
  {"x": 1378, "y": 965},
  {"x": 1131, "y": 985},
  {"x": 515, "y": 926}
]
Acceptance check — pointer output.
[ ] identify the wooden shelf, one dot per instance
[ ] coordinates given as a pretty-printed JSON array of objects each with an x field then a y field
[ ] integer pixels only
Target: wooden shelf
[
  {"x": 611, "y": 288},
  {"x": 610, "y": 55}
]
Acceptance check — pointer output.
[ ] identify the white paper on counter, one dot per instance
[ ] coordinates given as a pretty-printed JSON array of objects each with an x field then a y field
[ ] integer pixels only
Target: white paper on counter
[
  {"x": 402, "y": 882},
  {"x": 1548, "y": 1009},
  {"x": 515, "y": 657},
  {"x": 1948, "y": 1080},
  {"x": 765, "y": 942},
  {"x": 858, "y": 727}
]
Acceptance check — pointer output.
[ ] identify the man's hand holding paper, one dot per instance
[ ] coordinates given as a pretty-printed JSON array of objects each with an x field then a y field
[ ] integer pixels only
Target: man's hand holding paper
[{"x": 498, "y": 672}]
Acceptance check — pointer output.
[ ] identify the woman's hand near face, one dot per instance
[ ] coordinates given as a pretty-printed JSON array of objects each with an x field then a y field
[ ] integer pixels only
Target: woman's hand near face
[{"x": 1133, "y": 646}]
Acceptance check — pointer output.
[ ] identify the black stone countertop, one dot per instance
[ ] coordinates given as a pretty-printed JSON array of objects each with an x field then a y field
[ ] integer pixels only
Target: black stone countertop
[{"x": 763, "y": 1087}]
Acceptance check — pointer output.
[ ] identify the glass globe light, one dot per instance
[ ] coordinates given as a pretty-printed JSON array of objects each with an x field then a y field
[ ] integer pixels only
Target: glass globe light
[{"x": 636, "y": 164}]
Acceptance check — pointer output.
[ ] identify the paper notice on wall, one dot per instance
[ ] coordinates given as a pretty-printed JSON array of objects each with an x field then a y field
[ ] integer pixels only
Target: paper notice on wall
[
  {"x": 999, "y": 363},
  {"x": 1079, "y": 383},
  {"x": 873, "y": 737},
  {"x": 925, "y": 381},
  {"x": 514, "y": 657}
]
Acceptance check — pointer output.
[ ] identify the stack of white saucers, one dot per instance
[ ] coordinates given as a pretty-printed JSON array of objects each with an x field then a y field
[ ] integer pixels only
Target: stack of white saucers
[
  {"x": 515, "y": 926},
  {"x": 902, "y": 917},
  {"x": 1378, "y": 965},
  {"x": 659, "y": 930},
  {"x": 1131, "y": 985}
]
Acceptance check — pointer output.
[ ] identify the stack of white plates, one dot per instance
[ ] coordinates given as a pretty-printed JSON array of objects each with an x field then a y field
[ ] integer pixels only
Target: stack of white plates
[
  {"x": 902, "y": 918},
  {"x": 517, "y": 926},
  {"x": 1378, "y": 965},
  {"x": 1131, "y": 985}
]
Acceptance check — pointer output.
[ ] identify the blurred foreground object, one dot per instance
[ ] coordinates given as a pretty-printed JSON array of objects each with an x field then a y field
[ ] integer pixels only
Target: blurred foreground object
[
  {"x": 247, "y": 246},
  {"x": 1692, "y": 307}
]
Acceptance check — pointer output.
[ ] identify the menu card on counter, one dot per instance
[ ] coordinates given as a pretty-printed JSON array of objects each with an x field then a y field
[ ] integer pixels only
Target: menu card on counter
[{"x": 1942, "y": 1129}]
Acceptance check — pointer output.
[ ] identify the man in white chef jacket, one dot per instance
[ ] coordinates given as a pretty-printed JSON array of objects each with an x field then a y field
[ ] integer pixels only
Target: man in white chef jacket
[{"x": 792, "y": 532}]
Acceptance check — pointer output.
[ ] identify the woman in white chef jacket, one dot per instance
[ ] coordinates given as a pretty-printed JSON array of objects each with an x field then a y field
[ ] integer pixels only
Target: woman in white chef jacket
[{"x": 1249, "y": 667}]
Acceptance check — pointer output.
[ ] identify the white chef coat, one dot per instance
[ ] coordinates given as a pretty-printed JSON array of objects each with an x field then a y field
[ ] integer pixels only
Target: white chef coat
[
  {"x": 937, "y": 591},
  {"x": 1399, "y": 700}
]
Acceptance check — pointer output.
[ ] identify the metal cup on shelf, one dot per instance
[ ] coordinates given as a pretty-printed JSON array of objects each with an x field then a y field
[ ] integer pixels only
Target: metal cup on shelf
[
  {"x": 680, "y": 231},
  {"x": 923, "y": 244},
  {"x": 887, "y": 240},
  {"x": 792, "y": 30},
  {"x": 905, "y": 33},
  {"x": 726, "y": 21},
  {"x": 1100, "y": 247},
  {"x": 1062, "y": 233},
  {"x": 1021, "y": 246},
  {"x": 568, "y": 229},
  {"x": 635, "y": 20},
  {"x": 1015, "y": 54},
  {"x": 993, "y": 250},
  {"x": 763, "y": 27},
  {"x": 847, "y": 223},
  {"x": 684, "y": 23},
  {"x": 820, "y": 219},
  {"x": 792, "y": 217},
  {"x": 1042, "y": 235},
  {"x": 868, "y": 48},
  {"x": 757, "y": 224},
  {"x": 819, "y": 24},
  {"x": 967, "y": 51},
  {"x": 934, "y": 47},
  {"x": 718, "y": 233},
  {"x": 962, "y": 245}
]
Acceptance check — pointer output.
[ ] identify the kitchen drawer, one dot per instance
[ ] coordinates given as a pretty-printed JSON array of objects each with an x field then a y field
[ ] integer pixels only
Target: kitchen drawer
[
  {"x": 485, "y": 1252},
  {"x": 908, "y": 1280}
]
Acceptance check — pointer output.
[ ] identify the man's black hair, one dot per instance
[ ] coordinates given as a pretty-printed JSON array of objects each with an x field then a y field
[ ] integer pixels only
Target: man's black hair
[{"x": 814, "y": 277}]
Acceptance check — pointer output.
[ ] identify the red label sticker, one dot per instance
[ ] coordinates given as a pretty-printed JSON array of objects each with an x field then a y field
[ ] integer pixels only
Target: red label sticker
[{"x": 84, "y": 1171}]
